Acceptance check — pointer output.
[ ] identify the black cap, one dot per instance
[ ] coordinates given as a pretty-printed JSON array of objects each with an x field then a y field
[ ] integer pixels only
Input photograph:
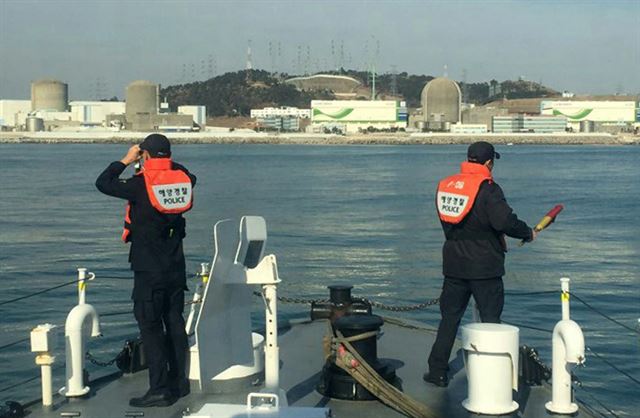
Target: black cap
[
  {"x": 157, "y": 145},
  {"x": 480, "y": 152}
]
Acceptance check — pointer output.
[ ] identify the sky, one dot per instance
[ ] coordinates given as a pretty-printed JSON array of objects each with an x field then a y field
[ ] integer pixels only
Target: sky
[{"x": 99, "y": 46}]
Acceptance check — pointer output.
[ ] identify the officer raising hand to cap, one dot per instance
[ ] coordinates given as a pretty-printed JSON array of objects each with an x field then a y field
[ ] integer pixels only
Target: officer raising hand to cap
[
  {"x": 157, "y": 197},
  {"x": 475, "y": 217}
]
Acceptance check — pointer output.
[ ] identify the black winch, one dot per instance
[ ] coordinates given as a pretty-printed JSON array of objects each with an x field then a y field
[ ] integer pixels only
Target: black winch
[
  {"x": 340, "y": 303},
  {"x": 352, "y": 318}
]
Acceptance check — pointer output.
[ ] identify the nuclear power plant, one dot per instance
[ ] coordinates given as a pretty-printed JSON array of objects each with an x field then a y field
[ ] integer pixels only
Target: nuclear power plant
[
  {"x": 50, "y": 110},
  {"x": 441, "y": 99},
  {"x": 52, "y": 95},
  {"x": 441, "y": 104},
  {"x": 142, "y": 98}
]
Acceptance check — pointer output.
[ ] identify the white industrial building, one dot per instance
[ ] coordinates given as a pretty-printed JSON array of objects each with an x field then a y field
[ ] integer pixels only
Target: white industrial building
[
  {"x": 528, "y": 123},
  {"x": 269, "y": 112},
  {"x": 468, "y": 128},
  {"x": 355, "y": 115},
  {"x": 285, "y": 118},
  {"x": 13, "y": 113},
  {"x": 199, "y": 114},
  {"x": 603, "y": 112},
  {"x": 95, "y": 113}
]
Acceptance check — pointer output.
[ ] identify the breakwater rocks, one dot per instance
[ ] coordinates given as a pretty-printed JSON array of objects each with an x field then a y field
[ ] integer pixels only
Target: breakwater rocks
[{"x": 251, "y": 137}]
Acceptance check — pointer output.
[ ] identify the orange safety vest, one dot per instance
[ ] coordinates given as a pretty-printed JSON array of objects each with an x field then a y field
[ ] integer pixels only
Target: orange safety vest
[
  {"x": 169, "y": 191},
  {"x": 457, "y": 193}
]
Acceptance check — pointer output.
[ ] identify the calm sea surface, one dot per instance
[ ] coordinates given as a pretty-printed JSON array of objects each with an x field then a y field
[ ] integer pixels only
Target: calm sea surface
[{"x": 335, "y": 214}]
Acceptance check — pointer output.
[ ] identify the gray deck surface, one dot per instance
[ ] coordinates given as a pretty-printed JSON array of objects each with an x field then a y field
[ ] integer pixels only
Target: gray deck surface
[{"x": 302, "y": 359}]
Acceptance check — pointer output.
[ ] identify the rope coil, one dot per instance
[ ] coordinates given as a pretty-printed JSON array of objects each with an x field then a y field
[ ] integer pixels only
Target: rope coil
[{"x": 345, "y": 356}]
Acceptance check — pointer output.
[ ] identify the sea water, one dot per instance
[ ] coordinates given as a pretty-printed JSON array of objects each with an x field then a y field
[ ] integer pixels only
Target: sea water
[{"x": 362, "y": 215}]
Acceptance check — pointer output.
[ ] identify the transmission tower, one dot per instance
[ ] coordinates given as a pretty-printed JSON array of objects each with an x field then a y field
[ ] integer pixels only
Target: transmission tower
[
  {"x": 212, "y": 72},
  {"x": 334, "y": 61},
  {"x": 366, "y": 55},
  {"x": 99, "y": 88},
  {"x": 394, "y": 80},
  {"x": 272, "y": 56},
  {"x": 465, "y": 88},
  {"x": 307, "y": 61}
]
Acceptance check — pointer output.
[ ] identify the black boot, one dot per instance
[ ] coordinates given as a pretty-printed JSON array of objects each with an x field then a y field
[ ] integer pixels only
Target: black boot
[
  {"x": 438, "y": 379},
  {"x": 152, "y": 399}
]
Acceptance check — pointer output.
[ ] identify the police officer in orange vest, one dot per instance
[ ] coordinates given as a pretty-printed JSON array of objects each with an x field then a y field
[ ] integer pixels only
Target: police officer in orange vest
[
  {"x": 157, "y": 197},
  {"x": 475, "y": 218}
]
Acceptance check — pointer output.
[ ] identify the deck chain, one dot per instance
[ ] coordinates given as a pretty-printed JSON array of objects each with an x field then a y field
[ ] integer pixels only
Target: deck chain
[
  {"x": 403, "y": 308},
  {"x": 97, "y": 362},
  {"x": 301, "y": 301},
  {"x": 379, "y": 305}
]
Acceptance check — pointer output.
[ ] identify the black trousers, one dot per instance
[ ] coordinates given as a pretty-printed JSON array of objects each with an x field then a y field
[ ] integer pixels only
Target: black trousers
[
  {"x": 158, "y": 310},
  {"x": 489, "y": 297}
]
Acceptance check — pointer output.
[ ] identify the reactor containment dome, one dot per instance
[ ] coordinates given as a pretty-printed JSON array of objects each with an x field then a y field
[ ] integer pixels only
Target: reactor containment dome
[
  {"x": 441, "y": 103},
  {"x": 142, "y": 98},
  {"x": 51, "y": 95}
]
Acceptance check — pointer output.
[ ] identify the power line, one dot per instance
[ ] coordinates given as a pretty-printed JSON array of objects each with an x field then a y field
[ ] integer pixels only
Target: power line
[
  {"x": 6, "y": 302},
  {"x": 615, "y": 321}
]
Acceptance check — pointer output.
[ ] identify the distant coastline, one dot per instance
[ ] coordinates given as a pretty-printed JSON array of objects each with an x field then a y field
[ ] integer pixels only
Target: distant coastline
[{"x": 250, "y": 137}]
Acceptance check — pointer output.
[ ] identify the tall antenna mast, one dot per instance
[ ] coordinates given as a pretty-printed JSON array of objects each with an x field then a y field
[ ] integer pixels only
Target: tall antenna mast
[{"x": 249, "y": 63}]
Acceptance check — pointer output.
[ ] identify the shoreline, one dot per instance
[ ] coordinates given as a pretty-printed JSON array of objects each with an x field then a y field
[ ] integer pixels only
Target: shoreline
[{"x": 250, "y": 137}]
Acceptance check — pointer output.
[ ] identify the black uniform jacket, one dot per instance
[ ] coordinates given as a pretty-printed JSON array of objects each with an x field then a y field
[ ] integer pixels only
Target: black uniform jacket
[
  {"x": 474, "y": 248},
  {"x": 156, "y": 238}
]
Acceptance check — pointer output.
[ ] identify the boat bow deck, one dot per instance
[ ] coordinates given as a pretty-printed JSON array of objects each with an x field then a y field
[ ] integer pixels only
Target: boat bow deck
[{"x": 406, "y": 344}]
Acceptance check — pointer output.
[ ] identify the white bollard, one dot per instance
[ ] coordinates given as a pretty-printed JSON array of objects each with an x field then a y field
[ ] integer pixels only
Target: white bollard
[
  {"x": 43, "y": 342},
  {"x": 45, "y": 363},
  {"x": 78, "y": 319},
  {"x": 568, "y": 349}
]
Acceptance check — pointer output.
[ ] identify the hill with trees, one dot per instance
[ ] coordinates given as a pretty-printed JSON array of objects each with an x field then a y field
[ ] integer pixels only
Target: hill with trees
[{"x": 236, "y": 93}]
